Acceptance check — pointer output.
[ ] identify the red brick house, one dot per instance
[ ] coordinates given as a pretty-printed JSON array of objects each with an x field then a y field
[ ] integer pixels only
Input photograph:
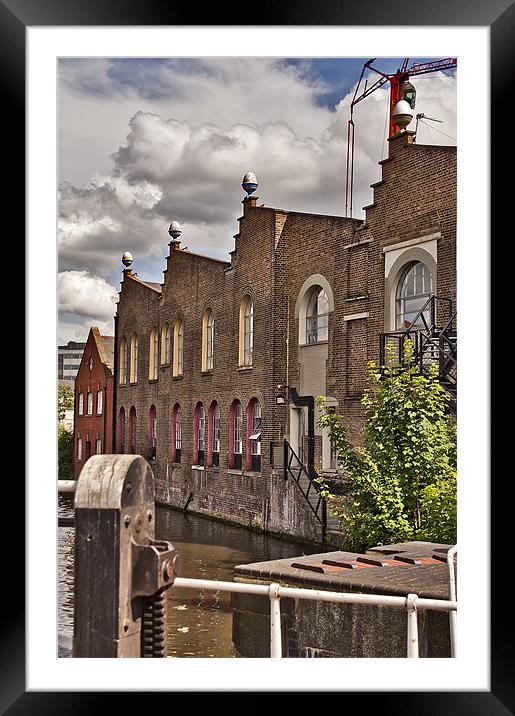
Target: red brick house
[
  {"x": 221, "y": 363},
  {"x": 93, "y": 421}
]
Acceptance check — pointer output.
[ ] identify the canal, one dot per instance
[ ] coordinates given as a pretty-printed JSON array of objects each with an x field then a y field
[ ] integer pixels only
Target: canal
[{"x": 199, "y": 622}]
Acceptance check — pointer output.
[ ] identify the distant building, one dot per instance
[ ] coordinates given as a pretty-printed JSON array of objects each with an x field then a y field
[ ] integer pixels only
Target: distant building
[
  {"x": 67, "y": 420},
  {"x": 68, "y": 361},
  {"x": 93, "y": 410}
]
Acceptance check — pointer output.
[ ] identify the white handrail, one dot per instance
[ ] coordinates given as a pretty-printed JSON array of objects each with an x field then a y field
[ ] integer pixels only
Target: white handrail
[
  {"x": 452, "y": 596},
  {"x": 275, "y": 591},
  {"x": 66, "y": 485}
]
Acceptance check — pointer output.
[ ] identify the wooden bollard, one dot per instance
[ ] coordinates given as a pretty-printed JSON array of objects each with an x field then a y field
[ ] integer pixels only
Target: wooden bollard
[{"x": 119, "y": 566}]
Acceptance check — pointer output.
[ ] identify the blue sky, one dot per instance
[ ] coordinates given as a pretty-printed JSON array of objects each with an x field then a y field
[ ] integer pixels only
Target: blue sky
[{"x": 143, "y": 141}]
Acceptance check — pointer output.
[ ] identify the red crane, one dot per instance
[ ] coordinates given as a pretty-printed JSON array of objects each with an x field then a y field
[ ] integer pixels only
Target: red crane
[{"x": 400, "y": 88}]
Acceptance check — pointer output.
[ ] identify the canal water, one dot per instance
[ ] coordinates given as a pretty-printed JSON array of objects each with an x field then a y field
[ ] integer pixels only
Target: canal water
[{"x": 199, "y": 622}]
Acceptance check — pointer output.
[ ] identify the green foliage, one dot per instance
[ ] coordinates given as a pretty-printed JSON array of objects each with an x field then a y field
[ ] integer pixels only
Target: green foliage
[
  {"x": 64, "y": 400},
  {"x": 402, "y": 482},
  {"x": 64, "y": 453}
]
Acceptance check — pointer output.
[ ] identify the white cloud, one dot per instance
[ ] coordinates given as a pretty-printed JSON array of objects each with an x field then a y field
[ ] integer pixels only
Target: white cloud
[
  {"x": 85, "y": 295},
  {"x": 186, "y": 152}
]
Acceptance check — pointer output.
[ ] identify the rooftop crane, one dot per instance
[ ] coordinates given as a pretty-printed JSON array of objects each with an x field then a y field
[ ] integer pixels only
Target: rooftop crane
[{"x": 400, "y": 89}]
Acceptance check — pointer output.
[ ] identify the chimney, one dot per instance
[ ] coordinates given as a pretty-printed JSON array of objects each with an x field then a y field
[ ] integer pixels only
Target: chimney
[
  {"x": 400, "y": 139},
  {"x": 249, "y": 202}
]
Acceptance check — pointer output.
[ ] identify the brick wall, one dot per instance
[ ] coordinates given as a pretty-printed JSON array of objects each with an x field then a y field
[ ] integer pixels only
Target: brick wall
[{"x": 275, "y": 253}]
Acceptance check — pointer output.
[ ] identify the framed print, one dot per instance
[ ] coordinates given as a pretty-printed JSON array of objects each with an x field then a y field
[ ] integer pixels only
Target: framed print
[{"x": 92, "y": 48}]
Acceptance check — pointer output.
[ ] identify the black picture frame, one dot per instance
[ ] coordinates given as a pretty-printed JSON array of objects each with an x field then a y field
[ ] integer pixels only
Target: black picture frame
[{"x": 15, "y": 17}]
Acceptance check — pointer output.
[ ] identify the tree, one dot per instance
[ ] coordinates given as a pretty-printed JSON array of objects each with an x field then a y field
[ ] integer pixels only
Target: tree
[
  {"x": 402, "y": 482},
  {"x": 64, "y": 453},
  {"x": 65, "y": 400}
]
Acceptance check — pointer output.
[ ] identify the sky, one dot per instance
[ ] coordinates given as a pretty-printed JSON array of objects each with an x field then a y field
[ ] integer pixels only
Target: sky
[{"x": 144, "y": 141}]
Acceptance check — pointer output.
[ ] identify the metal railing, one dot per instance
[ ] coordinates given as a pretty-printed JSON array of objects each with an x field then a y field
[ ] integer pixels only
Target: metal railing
[
  {"x": 412, "y": 603},
  {"x": 294, "y": 468}
]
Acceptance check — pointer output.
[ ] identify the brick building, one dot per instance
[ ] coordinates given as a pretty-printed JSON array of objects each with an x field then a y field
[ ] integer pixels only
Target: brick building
[
  {"x": 221, "y": 362},
  {"x": 93, "y": 421}
]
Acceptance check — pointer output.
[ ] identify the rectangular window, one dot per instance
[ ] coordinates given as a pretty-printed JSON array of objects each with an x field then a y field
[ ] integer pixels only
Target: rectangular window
[
  {"x": 79, "y": 449},
  {"x": 99, "y": 402},
  {"x": 98, "y": 447}
]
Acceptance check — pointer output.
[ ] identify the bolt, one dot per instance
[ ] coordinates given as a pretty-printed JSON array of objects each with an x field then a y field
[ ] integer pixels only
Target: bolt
[
  {"x": 127, "y": 520},
  {"x": 126, "y": 625},
  {"x": 167, "y": 570},
  {"x": 149, "y": 515},
  {"x": 177, "y": 564}
]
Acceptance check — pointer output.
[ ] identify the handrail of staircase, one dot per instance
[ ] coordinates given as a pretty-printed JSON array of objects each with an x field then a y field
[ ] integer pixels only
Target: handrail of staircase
[{"x": 320, "y": 505}]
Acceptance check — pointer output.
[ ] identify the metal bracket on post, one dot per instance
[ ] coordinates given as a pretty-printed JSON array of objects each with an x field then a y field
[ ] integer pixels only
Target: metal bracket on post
[{"x": 121, "y": 571}]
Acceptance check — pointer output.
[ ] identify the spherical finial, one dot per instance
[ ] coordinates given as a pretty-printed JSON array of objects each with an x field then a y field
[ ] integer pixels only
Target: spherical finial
[
  {"x": 402, "y": 114},
  {"x": 127, "y": 259},
  {"x": 249, "y": 183},
  {"x": 175, "y": 230}
]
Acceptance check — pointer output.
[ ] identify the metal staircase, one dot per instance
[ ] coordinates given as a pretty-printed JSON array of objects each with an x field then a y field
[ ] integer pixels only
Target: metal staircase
[
  {"x": 434, "y": 337},
  {"x": 305, "y": 479}
]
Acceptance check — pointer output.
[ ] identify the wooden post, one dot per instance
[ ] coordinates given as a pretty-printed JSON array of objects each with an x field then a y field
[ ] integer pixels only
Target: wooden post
[{"x": 114, "y": 551}]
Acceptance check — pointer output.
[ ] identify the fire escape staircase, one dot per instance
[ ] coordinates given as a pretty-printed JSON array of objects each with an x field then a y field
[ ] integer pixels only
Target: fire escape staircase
[{"x": 434, "y": 337}]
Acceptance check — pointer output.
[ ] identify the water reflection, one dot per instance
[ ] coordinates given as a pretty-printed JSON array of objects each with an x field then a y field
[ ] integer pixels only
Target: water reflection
[{"x": 199, "y": 622}]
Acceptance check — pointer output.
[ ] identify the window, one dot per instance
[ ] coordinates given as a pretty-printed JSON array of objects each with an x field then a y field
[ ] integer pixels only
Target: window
[
  {"x": 122, "y": 359},
  {"x": 99, "y": 401},
  {"x": 177, "y": 348},
  {"x": 317, "y": 316},
  {"x": 214, "y": 434},
  {"x": 90, "y": 403},
  {"x": 413, "y": 290},
  {"x": 246, "y": 337},
  {"x": 121, "y": 430},
  {"x": 152, "y": 432},
  {"x": 253, "y": 451},
  {"x": 98, "y": 446},
  {"x": 200, "y": 434},
  {"x": 208, "y": 341},
  {"x": 176, "y": 433},
  {"x": 132, "y": 429},
  {"x": 90, "y": 363},
  {"x": 79, "y": 448},
  {"x": 166, "y": 344},
  {"x": 134, "y": 359},
  {"x": 153, "y": 354},
  {"x": 81, "y": 404},
  {"x": 235, "y": 436}
]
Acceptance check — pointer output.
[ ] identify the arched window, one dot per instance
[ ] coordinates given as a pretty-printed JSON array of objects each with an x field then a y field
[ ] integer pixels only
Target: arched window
[
  {"x": 132, "y": 429},
  {"x": 81, "y": 404},
  {"x": 100, "y": 395},
  {"x": 176, "y": 433},
  {"x": 98, "y": 446},
  {"x": 90, "y": 403},
  {"x": 246, "y": 337},
  {"x": 121, "y": 430},
  {"x": 153, "y": 354},
  {"x": 122, "y": 360},
  {"x": 134, "y": 359},
  {"x": 317, "y": 316},
  {"x": 213, "y": 451},
  {"x": 208, "y": 340},
  {"x": 199, "y": 438},
  {"x": 152, "y": 432},
  {"x": 253, "y": 448},
  {"x": 414, "y": 288},
  {"x": 177, "y": 348},
  {"x": 166, "y": 344},
  {"x": 235, "y": 435},
  {"x": 79, "y": 448}
]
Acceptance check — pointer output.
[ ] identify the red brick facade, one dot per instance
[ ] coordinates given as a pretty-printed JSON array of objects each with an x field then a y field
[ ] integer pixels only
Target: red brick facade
[
  {"x": 277, "y": 258},
  {"x": 93, "y": 419}
]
